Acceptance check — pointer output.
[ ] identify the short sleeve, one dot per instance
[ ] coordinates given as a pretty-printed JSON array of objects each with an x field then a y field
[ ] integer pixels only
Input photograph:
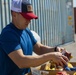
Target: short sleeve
[
  {"x": 9, "y": 42},
  {"x": 34, "y": 41}
]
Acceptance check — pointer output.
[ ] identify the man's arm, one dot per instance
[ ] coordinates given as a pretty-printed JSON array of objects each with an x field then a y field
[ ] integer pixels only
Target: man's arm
[
  {"x": 42, "y": 49},
  {"x": 26, "y": 61}
]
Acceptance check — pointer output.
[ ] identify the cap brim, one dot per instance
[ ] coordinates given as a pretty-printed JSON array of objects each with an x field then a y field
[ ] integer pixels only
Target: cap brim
[{"x": 29, "y": 15}]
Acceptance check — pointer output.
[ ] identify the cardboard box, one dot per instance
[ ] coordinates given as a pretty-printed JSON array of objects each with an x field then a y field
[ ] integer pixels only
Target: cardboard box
[{"x": 54, "y": 72}]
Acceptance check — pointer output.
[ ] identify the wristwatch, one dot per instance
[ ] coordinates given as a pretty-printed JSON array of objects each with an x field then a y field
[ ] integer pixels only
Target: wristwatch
[{"x": 55, "y": 49}]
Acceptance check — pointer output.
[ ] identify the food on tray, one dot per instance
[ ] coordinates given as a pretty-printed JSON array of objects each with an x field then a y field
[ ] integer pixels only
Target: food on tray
[
  {"x": 62, "y": 73},
  {"x": 74, "y": 73},
  {"x": 52, "y": 66},
  {"x": 70, "y": 65}
]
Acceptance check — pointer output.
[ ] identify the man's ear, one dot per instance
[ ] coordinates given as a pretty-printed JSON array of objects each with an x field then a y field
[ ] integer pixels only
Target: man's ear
[{"x": 14, "y": 14}]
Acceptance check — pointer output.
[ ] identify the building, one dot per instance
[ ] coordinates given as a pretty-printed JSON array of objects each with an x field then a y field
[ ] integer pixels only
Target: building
[{"x": 55, "y": 24}]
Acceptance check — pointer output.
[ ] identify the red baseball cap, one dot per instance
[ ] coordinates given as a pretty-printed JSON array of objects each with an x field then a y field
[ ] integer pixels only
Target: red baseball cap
[
  {"x": 24, "y": 7},
  {"x": 29, "y": 15}
]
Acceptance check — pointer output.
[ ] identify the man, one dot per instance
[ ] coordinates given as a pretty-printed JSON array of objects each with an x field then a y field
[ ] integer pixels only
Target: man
[{"x": 17, "y": 43}]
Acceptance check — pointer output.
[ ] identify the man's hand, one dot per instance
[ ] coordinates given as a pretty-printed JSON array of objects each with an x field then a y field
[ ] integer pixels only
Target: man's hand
[
  {"x": 59, "y": 59},
  {"x": 64, "y": 52},
  {"x": 60, "y": 49}
]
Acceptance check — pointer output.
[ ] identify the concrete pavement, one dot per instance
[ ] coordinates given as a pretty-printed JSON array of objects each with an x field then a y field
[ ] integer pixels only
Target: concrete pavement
[{"x": 71, "y": 47}]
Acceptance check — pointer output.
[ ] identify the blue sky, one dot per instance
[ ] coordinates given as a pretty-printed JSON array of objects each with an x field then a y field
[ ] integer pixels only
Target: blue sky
[{"x": 74, "y": 3}]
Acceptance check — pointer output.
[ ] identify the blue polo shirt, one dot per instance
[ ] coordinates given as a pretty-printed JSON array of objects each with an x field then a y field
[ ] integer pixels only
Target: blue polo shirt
[{"x": 12, "y": 39}]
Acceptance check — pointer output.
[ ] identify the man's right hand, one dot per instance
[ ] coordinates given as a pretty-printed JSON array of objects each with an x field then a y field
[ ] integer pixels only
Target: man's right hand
[{"x": 59, "y": 59}]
